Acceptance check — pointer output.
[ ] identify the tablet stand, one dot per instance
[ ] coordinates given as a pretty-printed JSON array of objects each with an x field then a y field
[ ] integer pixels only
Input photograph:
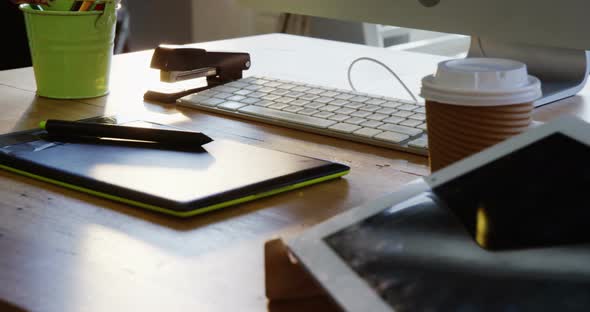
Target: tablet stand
[{"x": 289, "y": 287}]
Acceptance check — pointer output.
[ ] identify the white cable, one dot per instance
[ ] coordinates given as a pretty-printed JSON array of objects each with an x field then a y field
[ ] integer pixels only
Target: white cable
[{"x": 384, "y": 66}]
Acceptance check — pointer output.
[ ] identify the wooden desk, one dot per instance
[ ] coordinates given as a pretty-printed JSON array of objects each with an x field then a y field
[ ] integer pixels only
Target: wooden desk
[{"x": 62, "y": 250}]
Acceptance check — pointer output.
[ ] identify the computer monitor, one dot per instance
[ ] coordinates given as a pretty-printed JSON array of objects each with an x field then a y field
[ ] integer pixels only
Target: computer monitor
[{"x": 549, "y": 36}]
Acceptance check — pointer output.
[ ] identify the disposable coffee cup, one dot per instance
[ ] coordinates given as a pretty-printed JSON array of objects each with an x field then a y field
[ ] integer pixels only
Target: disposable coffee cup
[{"x": 474, "y": 103}]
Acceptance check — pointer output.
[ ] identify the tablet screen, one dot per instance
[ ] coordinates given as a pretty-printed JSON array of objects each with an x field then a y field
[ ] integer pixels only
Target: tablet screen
[{"x": 422, "y": 254}]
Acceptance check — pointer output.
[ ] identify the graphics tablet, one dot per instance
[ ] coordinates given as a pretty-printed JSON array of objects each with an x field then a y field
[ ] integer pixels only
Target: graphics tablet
[
  {"x": 178, "y": 182},
  {"x": 439, "y": 244}
]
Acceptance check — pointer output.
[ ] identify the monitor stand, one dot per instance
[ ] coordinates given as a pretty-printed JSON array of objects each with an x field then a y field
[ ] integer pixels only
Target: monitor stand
[{"x": 563, "y": 72}]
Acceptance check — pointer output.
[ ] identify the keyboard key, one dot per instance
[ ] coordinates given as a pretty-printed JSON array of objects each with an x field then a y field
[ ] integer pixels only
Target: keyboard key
[
  {"x": 394, "y": 120},
  {"x": 250, "y": 100},
  {"x": 253, "y": 87},
  {"x": 209, "y": 93},
  {"x": 287, "y": 116},
  {"x": 419, "y": 143},
  {"x": 344, "y": 127},
  {"x": 300, "y": 102},
  {"x": 226, "y": 89},
  {"x": 316, "y": 91},
  {"x": 243, "y": 92},
  {"x": 370, "y": 108},
  {"x": 223, "y": 95},
  {"x": 339, "y": 117},
  {"x": 266, "y": 89},
  {"x": 232, "y": 106},
  {"x": 308, "y": 111},
  {"x": 354, "y": 105},
  {"x": 236, "y": 98},
  {"x": 403, "y": 113},
  {"x": 410, "y": 122},
  {"x": 377, "y": 117},
  {"x": 278, "y": 106},
  {"x": 280, "y": 92},
  {"x": 300, "y": 89},
  {"x": 361, "y": 114},
  {"x": 421, "y": 110},
  {"x": 344, "y": 96},
  {"x": 400, "y": 129},
  {"x": 422, "y": 126},
  {"x": 264, "y": 103},
  {"x": 386, "y": 111},
  {"x": 408, "y": 107},
  {"x": 339, "y": 102},
  {"x": 257, "y": 94},
  {"x": 355, "y": 120},
  {"x": 406, "y": 101},
  {"x": 287, "y": 86},
  {"x": 285, "y": 100},
  {"x": 367, "y": 132},
  {"x": 273, "y": 84},
  {"x": 393, "y": 137},
  {"x": 259, "y": 81},
  {"x": 360, "y": 99},
  {"x": 294, "y": 94},
  {"x": 249, "y": 79},
  {"x": 314, "y": 105},
  {"x": 420, "y": 117},
  {"x": 309, "y": 97},
  {"x": 329, "y": 108},
  {"x": 293, "y": 109},
  {"x": 270, "y": 97},
  {"x": 329, "y": 94},
  {"x": 345, "y": 111},
  {"x": 212, "y": 102},
  {"x": 390, "y": 104},
  {"x": 372, "y": 124},
  {"x": 324, "y": 99},
  {"x": 323, "y": 114},
  {"x": 375, "y": 102}
]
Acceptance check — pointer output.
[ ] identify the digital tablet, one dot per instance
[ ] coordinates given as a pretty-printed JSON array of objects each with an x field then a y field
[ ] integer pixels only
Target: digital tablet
[
  {"x": 179, "y": 182},
  {"x": 446, "y": 242}
]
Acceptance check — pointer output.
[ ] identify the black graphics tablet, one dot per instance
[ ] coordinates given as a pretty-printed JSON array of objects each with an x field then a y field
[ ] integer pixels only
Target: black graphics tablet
[{"x": 182, "y": 183}]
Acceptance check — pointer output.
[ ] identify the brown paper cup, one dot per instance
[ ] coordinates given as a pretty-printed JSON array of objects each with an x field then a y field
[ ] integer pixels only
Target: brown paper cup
[{"x": 458, "y": 131}]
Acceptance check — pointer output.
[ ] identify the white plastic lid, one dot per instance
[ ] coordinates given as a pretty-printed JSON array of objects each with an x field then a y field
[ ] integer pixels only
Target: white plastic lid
[{"x": 481, "y": 82}]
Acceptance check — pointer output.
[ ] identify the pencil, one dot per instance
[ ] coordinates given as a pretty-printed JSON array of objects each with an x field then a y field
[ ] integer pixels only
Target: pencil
[
  {"x": 99, "y": 7},
  {"x": 86, "y": 5},
  {"x": 76, "y": 5}
]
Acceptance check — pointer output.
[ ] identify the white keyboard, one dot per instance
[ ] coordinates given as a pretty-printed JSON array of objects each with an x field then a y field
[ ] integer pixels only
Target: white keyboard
[{"x": 388, "y": 122}]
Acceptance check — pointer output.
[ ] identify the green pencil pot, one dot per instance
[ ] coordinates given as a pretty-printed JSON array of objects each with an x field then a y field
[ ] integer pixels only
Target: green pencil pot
[{"x": 71, "y": 51}]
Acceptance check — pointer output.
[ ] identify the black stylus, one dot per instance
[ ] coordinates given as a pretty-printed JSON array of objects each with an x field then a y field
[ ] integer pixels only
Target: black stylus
[{"x": 77, "y": 129}]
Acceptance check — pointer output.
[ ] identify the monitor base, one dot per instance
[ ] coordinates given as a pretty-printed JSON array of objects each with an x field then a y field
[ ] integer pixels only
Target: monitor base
[{"x": 563, "y": 72}]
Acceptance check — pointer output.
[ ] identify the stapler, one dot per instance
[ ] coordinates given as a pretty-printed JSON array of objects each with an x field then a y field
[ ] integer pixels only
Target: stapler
[{"x": 180, "y": 63}]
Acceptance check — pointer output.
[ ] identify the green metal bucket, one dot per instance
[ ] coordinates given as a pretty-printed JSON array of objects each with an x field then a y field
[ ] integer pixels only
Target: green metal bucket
[{"x": 71, "y": 51}]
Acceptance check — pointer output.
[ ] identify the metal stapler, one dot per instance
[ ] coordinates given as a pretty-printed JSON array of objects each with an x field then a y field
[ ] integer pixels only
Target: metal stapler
[{"x": 181, "y": 63}]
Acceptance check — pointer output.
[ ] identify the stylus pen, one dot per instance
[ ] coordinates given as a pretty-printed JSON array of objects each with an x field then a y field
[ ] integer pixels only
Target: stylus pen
[{"x": 77, "y": 129}]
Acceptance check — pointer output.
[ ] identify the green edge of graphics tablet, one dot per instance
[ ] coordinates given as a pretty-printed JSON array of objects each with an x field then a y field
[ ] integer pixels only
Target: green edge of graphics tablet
[{"x": 182, "y": 183}]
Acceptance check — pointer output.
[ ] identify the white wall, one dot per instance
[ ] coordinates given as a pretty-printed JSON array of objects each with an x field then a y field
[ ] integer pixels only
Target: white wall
[
  {"x": 220, "y": 19},
  {"x": 159, "y": 21}
]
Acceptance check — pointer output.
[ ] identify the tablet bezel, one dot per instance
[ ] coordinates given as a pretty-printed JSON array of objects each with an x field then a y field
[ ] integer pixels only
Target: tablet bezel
[{"x": 348, "y": 289}]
